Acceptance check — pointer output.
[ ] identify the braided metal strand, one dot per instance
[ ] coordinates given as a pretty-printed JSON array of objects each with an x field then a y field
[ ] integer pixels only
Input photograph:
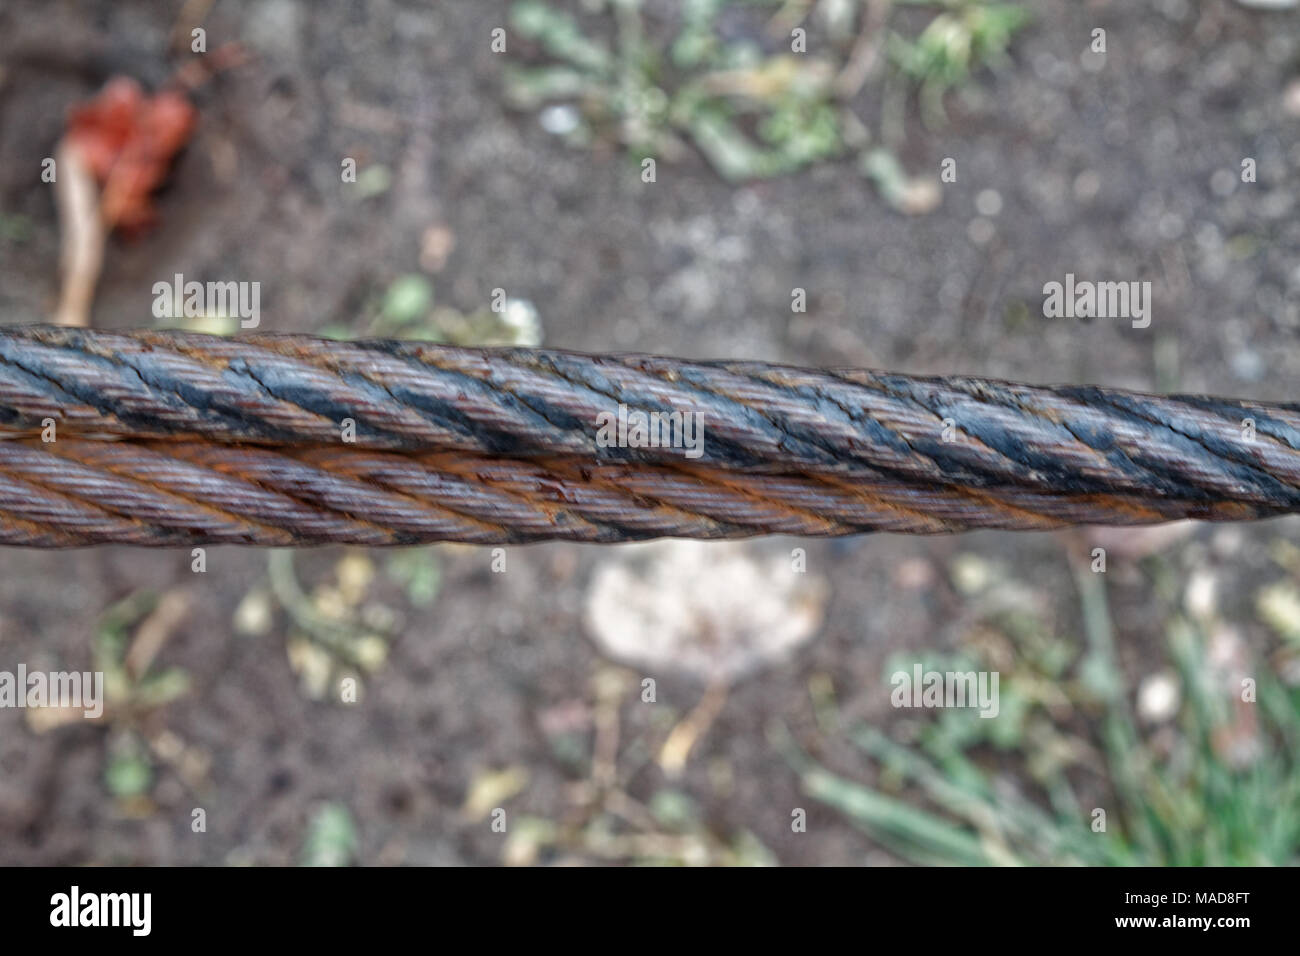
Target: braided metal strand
[
  {"x": 171, "y": 437},
  {"x": 76, "y": 492},
  {"x": 414, "y": 396}
]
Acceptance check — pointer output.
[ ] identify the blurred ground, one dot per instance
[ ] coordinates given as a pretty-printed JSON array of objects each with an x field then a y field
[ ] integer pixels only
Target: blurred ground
[{"x": 1116, "y": 172}]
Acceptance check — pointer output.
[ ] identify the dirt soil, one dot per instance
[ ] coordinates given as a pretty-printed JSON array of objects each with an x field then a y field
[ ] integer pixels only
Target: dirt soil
[{"x": 1103, "y": 173}]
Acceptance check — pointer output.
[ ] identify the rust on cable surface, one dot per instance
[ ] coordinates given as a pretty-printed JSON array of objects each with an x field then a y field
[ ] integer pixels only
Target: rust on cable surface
[{"x": 172, "y": 438}]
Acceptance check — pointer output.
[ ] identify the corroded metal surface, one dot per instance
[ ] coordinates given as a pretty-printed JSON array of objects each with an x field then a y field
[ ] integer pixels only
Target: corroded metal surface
[{"x": 168, "y": 438}]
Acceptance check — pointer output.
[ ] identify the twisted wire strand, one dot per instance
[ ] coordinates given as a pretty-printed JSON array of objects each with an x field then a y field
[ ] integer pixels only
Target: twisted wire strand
[
  {"x": 75, "y": 491},
  {"x": 290, "y": 389},
  {"x": 172, "y": 437}
]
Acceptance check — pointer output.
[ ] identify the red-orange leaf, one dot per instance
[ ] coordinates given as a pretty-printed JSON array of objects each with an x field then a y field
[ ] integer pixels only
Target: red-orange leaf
[{"x": 127, "y": 140}]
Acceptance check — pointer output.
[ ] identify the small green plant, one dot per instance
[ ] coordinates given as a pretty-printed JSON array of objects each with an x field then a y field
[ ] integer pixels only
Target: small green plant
[
  {"x": 955, "y": 43},
  {"x": 1219, "y": 784},
  {"x": 757, "y": 100},
  {"x": 130, "y": 635},
  {"x": 408, "y": 310},
  {"x": 336, "y": 633},
  {"x": 604, "y": 821},
  {"x": 752, "y": 114},
  {"x": 331, "y": 837}
]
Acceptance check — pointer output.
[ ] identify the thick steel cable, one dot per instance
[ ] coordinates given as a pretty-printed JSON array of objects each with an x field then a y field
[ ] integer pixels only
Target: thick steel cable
[{"x": 173, "y": 438}]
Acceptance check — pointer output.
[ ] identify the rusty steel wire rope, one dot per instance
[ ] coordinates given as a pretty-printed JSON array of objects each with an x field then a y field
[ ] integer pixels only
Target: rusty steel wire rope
[{"x": 172, "y": 438}]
